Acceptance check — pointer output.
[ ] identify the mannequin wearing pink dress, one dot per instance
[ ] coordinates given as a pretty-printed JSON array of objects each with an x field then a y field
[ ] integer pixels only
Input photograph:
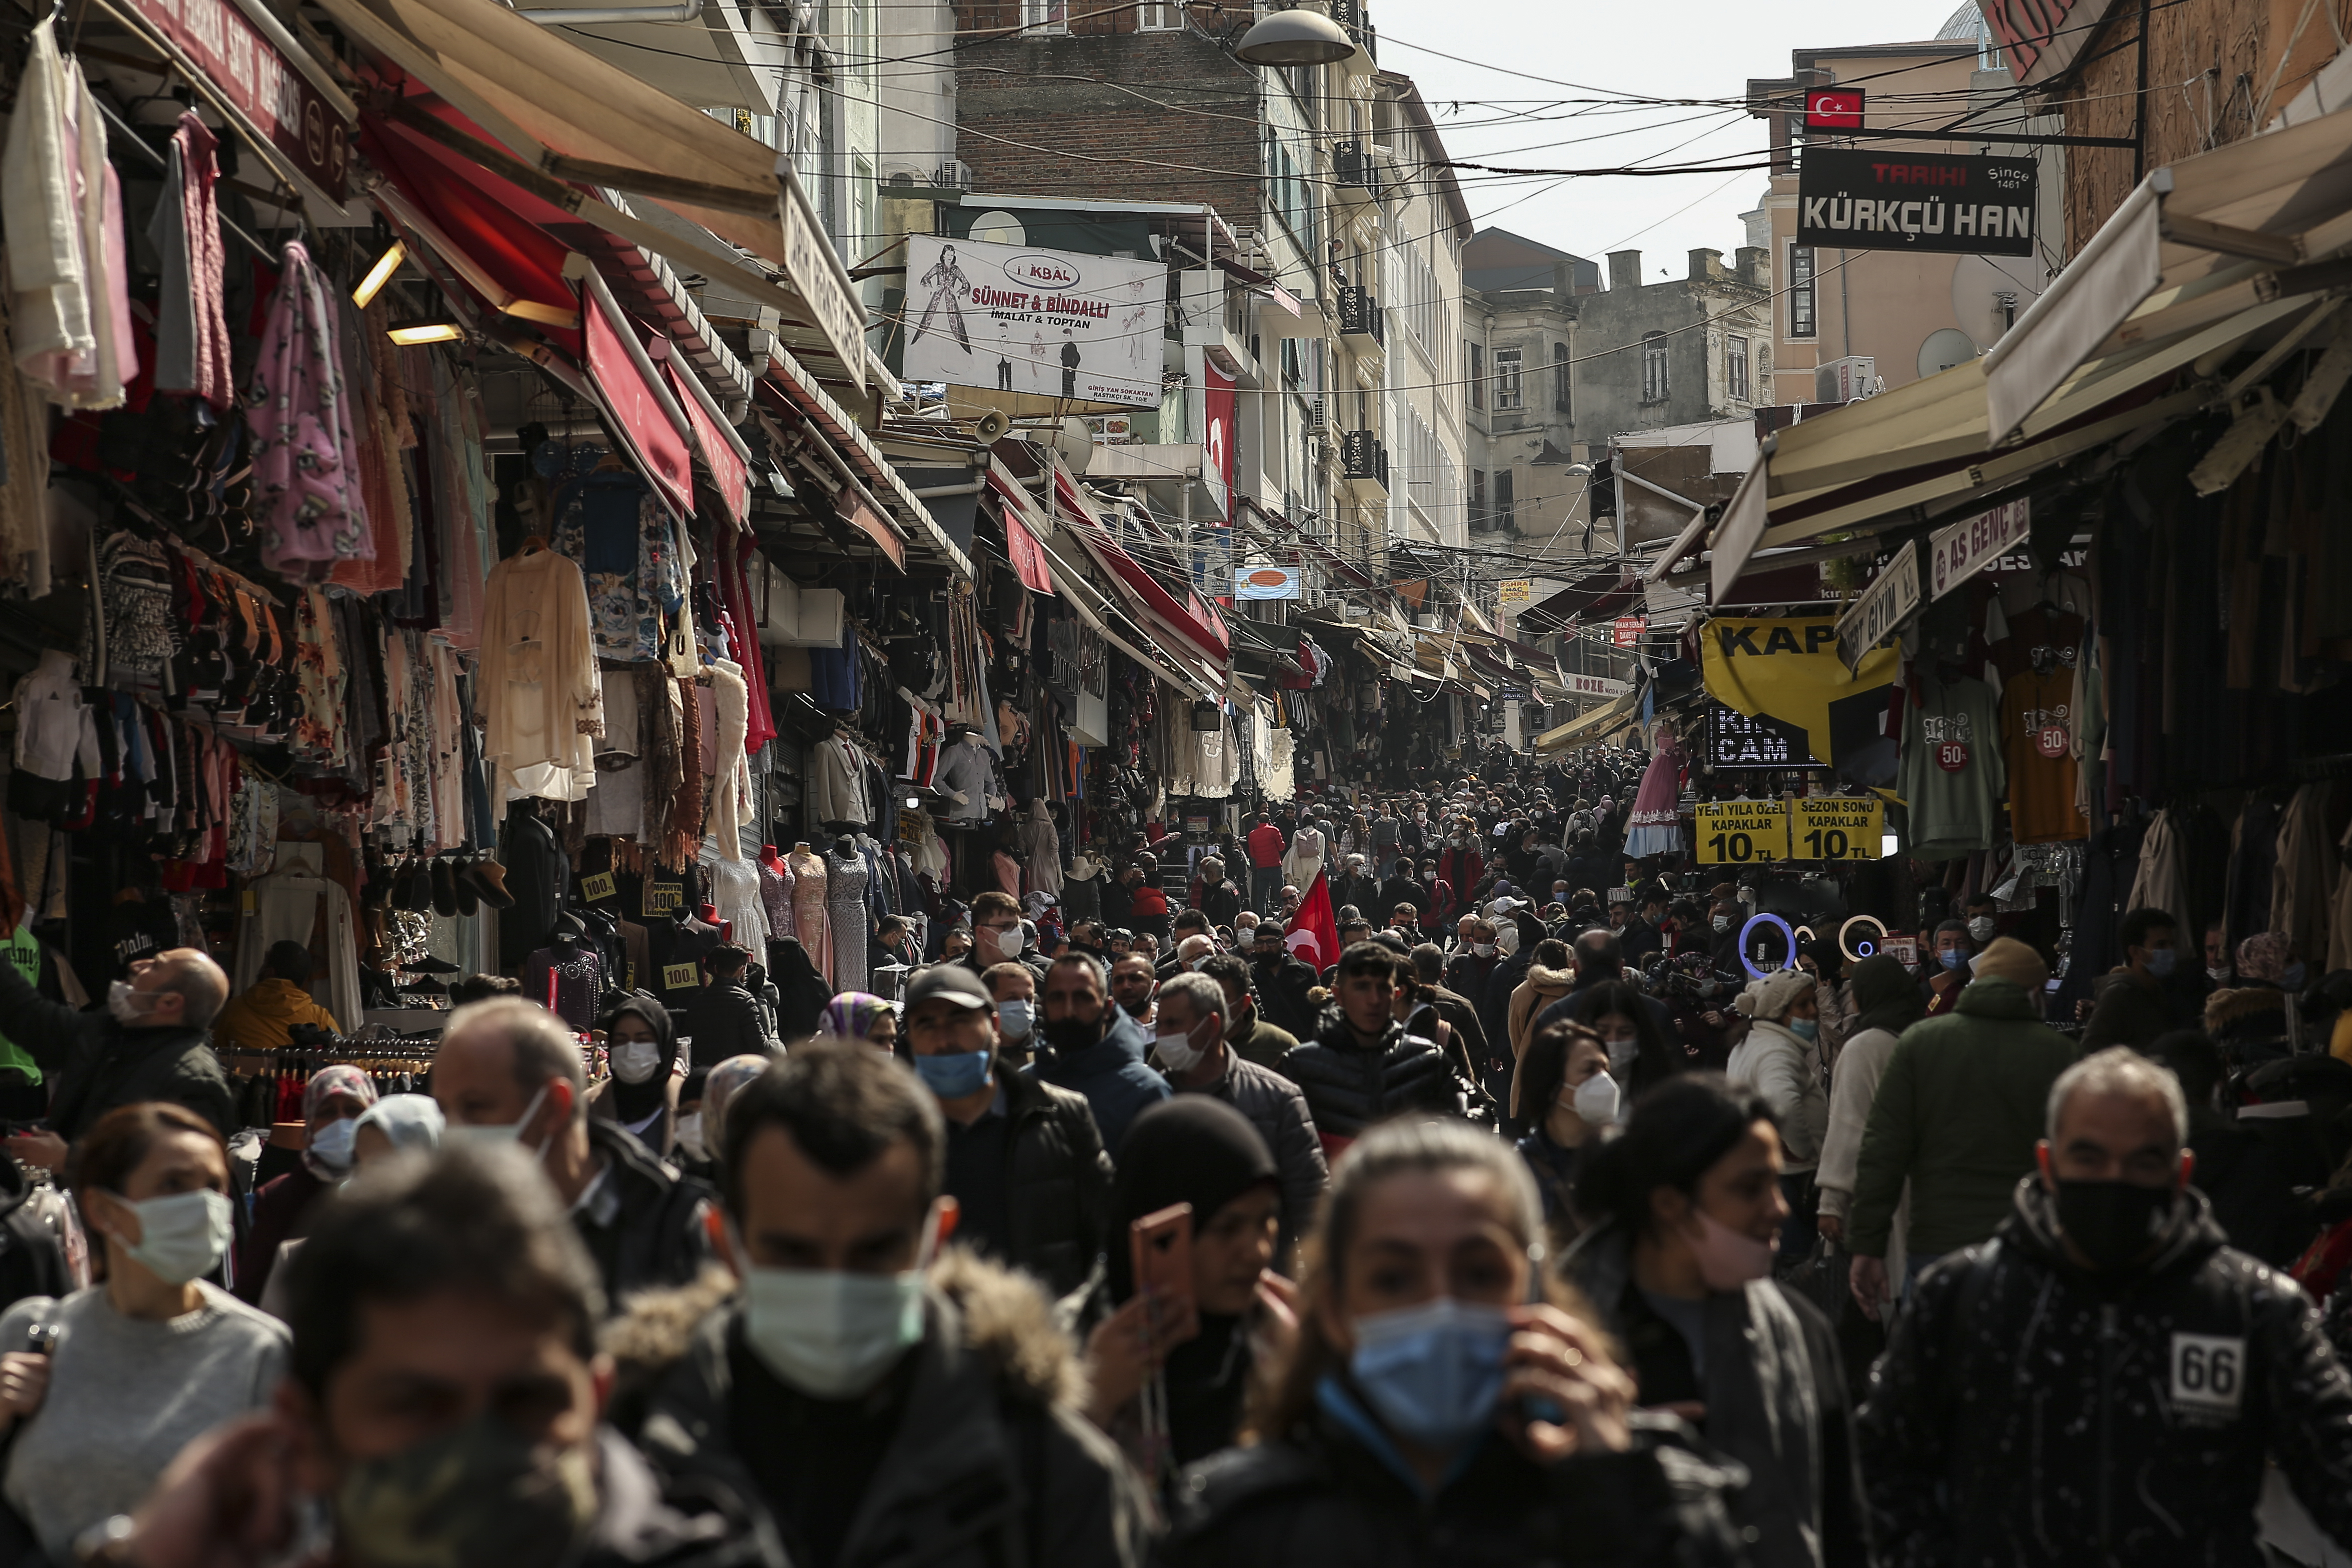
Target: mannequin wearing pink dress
[{"x": 807, "y": 868}]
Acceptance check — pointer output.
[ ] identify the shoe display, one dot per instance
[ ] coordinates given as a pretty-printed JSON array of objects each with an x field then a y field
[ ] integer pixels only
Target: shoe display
[
  {"x": 416, "y": 893},
  {"x": 445, "y": 887},
  {"x": 468, "y": 901},
  {"x": 428, "y": 965},
  {"x": 490, "y": 879},
  {"x": 425, "y": 988}
]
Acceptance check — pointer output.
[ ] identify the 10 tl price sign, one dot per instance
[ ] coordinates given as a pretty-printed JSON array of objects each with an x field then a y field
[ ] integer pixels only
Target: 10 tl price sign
[{"x": 1737, "y": 832}]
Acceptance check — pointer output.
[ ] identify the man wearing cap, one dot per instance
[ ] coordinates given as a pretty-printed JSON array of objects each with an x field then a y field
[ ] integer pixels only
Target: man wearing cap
[
  {"x": 1957, "y": 1113},
  {"x": 1025, "y": 1163},
  {"x": 1282, "y": 980}
]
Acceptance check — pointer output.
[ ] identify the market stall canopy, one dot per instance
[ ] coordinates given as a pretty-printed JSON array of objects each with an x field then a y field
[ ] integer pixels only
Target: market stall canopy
[
  {"x": 1195, "y": 625},
  {"x": 1623, "y": 711},
  {"x": 566, "y": 115}
]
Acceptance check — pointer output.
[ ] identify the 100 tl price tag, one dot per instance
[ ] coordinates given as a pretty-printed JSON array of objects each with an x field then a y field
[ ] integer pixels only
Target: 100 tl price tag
[
  {"x": 1836, "y": 829},
  {"x": 1738, "y": 831}
]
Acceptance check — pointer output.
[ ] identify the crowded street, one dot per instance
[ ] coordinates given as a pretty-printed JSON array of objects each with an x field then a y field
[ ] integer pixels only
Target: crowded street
[{"x": 953, "y": 784}]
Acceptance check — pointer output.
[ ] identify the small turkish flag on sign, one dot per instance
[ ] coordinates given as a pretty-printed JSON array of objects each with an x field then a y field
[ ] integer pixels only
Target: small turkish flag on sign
[{"x": 1833, "y": 109}]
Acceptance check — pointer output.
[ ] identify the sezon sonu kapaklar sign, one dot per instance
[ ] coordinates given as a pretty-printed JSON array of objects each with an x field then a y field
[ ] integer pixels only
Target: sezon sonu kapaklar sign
[{"x": 1864, "y": 200}]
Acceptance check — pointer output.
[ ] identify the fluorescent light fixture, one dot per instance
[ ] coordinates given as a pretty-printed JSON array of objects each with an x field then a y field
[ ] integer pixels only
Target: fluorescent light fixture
[
  {"x": 433, "y": 333},
  {"x": 379, "y": 275},
  {"x": 1888, "y": 846}
]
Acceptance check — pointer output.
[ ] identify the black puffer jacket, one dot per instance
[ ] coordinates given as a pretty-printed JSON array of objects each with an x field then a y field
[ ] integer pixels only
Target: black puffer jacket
[
  {"x": 646, "y": 1226},
  {"x": 1348, "y": 1086},
  {"x": 2027, "y": 1412},
  {"x": 728, "y": 1021},
  {"x": 1059, "y": 1185},
  {"x": 1323, "y": 1499}
]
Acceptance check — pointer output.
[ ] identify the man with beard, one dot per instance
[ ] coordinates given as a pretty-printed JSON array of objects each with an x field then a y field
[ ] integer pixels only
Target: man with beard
[{"x": 1090, "y": 1047}]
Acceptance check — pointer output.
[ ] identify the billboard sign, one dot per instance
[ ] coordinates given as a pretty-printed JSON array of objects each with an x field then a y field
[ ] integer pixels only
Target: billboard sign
[
  {"x": 1916, "y": 202},
  {"x": 1051, "y": 323}
]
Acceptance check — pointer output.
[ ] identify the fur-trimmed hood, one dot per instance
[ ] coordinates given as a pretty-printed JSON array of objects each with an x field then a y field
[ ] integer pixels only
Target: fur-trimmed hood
[{"x": 2228, "y": 1007}]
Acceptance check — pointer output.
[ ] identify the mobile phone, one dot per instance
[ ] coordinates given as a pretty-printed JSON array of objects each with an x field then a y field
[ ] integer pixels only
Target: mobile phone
[
  {"x": 41, "y": 1339},
  {"x": 1161, "y": 1248}
]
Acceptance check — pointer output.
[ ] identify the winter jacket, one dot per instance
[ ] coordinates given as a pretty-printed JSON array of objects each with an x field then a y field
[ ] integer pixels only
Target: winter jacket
[
  {"x": 1363, "y": 892},
  {"x": 1220, "y": 901},
  {"x": 1263, "y": 1042},
  {"x": 1467, "y": 973},
  {"x": 32, "y": 1253},
  {"x": 2027, "y": 1412},
  {"x": 647, "y": 1227},
  {"x": 728, "y": 1022},
  {"x": 1112, "y": 1075},
  {"x": 2249, "y": 1022},
  {"x": 637, "y": 1526},
  {"x": 1348, "y": 1086},
  {"x": 1957, "y": 1114},
  {"x": 993, "y": 1465},
  {"x": 1786, "y": 1069},
  {"x": 1398, "y": 889},
  {"x": 1282, "y": 985},
  {"x": 2129, "y": 1013},
  {"x": 1775, "y": 1393},
  {"x": 95, "y": 1063},
  {"x": 1336, "y": 1494},
  {"x": 1275, "y": 1106},
  {"x": 1058, "y": 1186},
  {"x": 263, "y": 1017}
]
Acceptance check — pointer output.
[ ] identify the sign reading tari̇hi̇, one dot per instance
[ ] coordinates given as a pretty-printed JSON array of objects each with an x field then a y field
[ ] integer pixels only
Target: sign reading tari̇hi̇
[
  {"x": 1051, "y": 323},
  {"x": 1915, "y": 201}
]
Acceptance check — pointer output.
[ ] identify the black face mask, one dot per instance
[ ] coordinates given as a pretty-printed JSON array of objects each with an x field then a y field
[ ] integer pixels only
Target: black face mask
[
  {"x": 1070, "y": 1035},
  {"x": 2114, "y": 1223}
]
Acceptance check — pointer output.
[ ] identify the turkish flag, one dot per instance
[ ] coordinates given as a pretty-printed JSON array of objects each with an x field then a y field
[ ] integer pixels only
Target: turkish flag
[
  {"x": 1833, "y": 109},
  {"x": 1315, "y": 925}
]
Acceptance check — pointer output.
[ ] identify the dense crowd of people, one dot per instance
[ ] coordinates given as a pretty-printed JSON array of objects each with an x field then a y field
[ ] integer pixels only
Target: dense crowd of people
[{"x": 1427, "y": 1182}]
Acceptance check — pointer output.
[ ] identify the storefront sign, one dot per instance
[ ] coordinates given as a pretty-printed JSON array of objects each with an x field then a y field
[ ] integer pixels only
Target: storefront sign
[
  {"x": 1629, "y": 630},
  {"x": 818, "y": 276},
  {"x": 1734, "y": 832},
  {"x": 1266, "y": 583},
  {"x": 1916, "y": 202},
  {"x": 1833, "y": 109},
  {"x": 263, "y": 85},
  {"x": 2041, "y": 37},
  {"x": 1880, "y": 607},
  {"x": 1220, "y": 400},
  {"x": 1967, "y": 547},
  {"x": 1788, "y": 669},
  {"x": 1595, "y": 686},
  {"x": 1834, "y": 829},
  {"x": 1051, "y": 323},
  {"x": 1734, "y": 740},
  {"x": 1513, "y": 591}
]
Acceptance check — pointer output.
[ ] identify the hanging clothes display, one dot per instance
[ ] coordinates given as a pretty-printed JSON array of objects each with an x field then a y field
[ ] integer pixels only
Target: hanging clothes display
[
  {"x": 1951, "y": 774},
  {"x": 848, "y": 927},
  {"x": 305, "y": 458},
  {"x": 541, "y": 702},
  {"x": 810, "y": 921}
]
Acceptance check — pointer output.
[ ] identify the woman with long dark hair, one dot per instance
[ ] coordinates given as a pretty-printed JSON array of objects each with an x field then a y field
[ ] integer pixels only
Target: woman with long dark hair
[
  {"x": 1641, "y": 1056},
  {"x": 1568, "y": 1099},
  {"x": 1444, "y": 1403}
]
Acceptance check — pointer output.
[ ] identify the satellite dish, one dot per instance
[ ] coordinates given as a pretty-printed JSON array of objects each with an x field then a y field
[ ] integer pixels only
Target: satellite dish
[
  {"x": 997, "y": 226},
  {"x": 1990, "y": 292},
  {"x": 1946, "y": 347},
  {"x": 1076, "y": 442}
]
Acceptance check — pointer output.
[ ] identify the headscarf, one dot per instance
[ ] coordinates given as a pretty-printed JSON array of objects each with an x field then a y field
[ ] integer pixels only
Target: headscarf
[
  {"x": 2264, "y": 956},
  {"x": 340, "y": 1079},
  {"x": 1196, "y": 1150},
  {"x": 632, "y": 1102},
  {"x": 851, "y": 1015},
  {"x": 410, "y": 1121},
  {"x": 2006, "y": 958},
  {"x": 1884, "y": 995},
  {"x": 801, "y": 991},
  {"x": 717, "y": 1088}
]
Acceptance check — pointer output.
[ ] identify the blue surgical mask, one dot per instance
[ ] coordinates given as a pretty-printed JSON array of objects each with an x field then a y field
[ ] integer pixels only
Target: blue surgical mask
[
  {"x": 955, "y": 1076},
  {"x": 1951, "y": 958},
  {"x": 2161, "y": 960},
  {"x": 1805, "y": 1028},
  {"x": 1432, "y": 1373},
  {"x": 1015, "y": 1018},
  {"x": 831, "y": 1333}
]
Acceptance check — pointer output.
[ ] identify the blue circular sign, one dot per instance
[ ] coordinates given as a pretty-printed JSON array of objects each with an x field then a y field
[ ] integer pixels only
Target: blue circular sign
[{"x": 1759, "y": 917}]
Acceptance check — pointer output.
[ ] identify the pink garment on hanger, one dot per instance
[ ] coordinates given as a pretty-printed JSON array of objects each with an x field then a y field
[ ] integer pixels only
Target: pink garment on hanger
[
  {"x": 200, "y": 212},
  {"x": 305, "y": 458}
]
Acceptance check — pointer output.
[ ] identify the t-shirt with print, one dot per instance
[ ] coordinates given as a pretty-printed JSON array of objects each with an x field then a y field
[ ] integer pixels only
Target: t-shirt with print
[
  {"x": 1951, "y": 774},
  {"x": 2037, "y": 720},
  {"x": 2040, "y": 638}
]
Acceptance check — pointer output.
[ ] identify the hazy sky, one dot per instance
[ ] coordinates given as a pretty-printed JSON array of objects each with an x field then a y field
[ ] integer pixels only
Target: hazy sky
[{"x": 1622, "y": 49}]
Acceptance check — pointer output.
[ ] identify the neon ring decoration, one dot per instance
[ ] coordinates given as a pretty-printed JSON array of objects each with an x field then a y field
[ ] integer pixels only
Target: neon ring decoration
[
  {"x": 1786, "y": 935},
  {"x": 1868, "y": 947}
]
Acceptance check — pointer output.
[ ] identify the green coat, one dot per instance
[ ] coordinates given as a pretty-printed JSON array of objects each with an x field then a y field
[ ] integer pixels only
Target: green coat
[{"x": 1957, "y": 1115}]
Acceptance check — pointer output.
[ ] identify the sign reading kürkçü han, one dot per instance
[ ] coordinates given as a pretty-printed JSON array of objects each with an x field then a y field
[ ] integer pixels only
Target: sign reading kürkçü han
[{"x": 1866, "y": 200}]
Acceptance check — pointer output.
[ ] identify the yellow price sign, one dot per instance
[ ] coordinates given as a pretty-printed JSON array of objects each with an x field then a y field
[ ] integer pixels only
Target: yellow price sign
[
  {"x": 1734, "y": 832},
  {"x": 1837, "y": 829}
]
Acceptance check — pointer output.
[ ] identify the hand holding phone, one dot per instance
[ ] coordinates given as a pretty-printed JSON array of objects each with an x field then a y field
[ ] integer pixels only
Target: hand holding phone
[{"x": 1161, "y": 1249}]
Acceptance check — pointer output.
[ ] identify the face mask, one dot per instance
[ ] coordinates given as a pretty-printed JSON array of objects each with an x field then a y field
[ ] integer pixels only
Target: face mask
[
  {"x": 831, "y": 1334},
  {"x": 1199, "y": 962},
  {"x": 1070, "y": 1035},
  {"x": 1013, "y": 942},
  {"x": 1622, "y": 1053},
  {"x": 1951, "y": 958},
  {"x": 483, "y": 1496},
  {"x": 183, "y": 1236},
  {"x": 635, "y": 1061},
  {"x": 689, "y": 1134},
  {"x": 1595, "y": 1101},
  {"x": 2220, "y": 976},
  {"x": 2293, "y": 979},
  {"x": 956, "y": 1075},
  {"x": 1980, "y": 928},
  {"x": 1431, "y": 1373},
  {"x": 1175, "y": 1047},
  {"x": 1016, "y": 1018},
  {"x": 1805, "y": 1028},
  {"x": 2161, "y": 961},
  {"x": 510, "y": 1132},
  {"x": 1723, "y": 922},
  {"x": 128, "y": 1007},
  {"x": 329, "y": 1155},
  {"x": 2112, "y": 1223},
  {"x": 1483, "y": 949},
  {"x": 1727, "y": 1259}
]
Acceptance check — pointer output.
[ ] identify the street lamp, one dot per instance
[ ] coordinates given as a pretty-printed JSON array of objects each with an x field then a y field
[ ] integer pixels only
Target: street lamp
[{"x": 1294, "y": 37}]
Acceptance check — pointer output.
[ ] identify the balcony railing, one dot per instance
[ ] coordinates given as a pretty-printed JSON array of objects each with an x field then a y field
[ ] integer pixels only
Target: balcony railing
[
  {"x": 1359, "y": 320},
  {"x": 1365, "y": 463},
  {"x": 1358, "y": 173}
]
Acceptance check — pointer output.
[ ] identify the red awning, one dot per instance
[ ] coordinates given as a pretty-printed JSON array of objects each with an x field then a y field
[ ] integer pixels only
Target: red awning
[
  {"x": 1021, "y": 545},
  {"x": 1199, "y": 626},
  {"x": 730, "y": 475},
  {"x": 635, "y": 407}
]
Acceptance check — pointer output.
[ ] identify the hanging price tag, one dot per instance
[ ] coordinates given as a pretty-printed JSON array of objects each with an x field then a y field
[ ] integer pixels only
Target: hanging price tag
[
  {"x": 665, "y": 897},
  {"x": 1733, "y": 832},
  {"x": 679, "y": 977},
  {"x": 597, "y": 886}
]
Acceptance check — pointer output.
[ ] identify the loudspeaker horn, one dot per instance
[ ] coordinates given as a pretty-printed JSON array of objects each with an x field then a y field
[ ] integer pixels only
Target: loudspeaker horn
[{"x": 991, "y": 425}]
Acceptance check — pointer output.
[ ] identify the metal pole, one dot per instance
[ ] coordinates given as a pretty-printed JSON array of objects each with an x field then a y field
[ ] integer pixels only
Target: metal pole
[{"x": 2139, "y": 110}]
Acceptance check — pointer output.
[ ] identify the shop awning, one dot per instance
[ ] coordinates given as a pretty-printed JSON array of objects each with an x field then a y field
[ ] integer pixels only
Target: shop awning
[
  {"x": 1188, "y": 619},
  {"x": 1025, "y": 530},
  {"x": 1601, "y": 591},
  {"x": 1599, "y": 722},
  {"x": 645, "y": 412},
  {"x": 1096, "y": 608},
  {"x": 2210, "y": 237},
  {"x": 566, "y": 114}
]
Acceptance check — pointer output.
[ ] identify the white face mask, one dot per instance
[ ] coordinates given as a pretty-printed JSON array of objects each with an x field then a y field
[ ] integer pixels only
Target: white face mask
[
  {"x": 1622, "y": 1053},
  {"x": 828, "y": 1332},
  {"x": 1595, "y": 1100},
  {"x": 1015, "y": 1018},
  {"x": 331, "y": 1154},
  {"x": 1483, "y": 949},
  {"x": 635, "y": 1061},
  {"x": 496, "y": 1132},
  {"x": 1981, "y": 929},
  {"x": 128, "y": 1007},
  {"x": 1176, "y": 1049},
  {"x": 183, "y": 1236},
  {"x": 2218, "y": 976},
  {"x": 1723, "y": 922}
]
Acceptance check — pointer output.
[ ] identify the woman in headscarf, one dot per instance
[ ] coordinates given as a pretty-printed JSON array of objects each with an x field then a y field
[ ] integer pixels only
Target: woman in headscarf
[
  {"x": 1886, "y": 1002},
  {"x": 862, "y": 1016},
  {"x": 641, "y": 1047},
  {"x": 394, "y": 1123},
  {"x": 719, "y": 1086},
  {"x": 1197, "y": 1354},
  {"x": 2255, "y": 1021},
  {"x": 801, "y": 991},
  {"x": 331, "y": 1101}
]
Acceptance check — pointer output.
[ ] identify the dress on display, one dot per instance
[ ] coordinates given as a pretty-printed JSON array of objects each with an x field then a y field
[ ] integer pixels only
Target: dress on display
[
  {"x": 808, "y": 907},
  {"x": 776, "y": 895},
  {"x": 570, "y": 984},
  {"x": 735, "y": 889},
  {"x": 845, "y": 903}
]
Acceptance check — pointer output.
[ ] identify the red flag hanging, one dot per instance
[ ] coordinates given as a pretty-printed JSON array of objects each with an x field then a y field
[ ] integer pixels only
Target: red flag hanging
[{"x": 1314, "y": 927}]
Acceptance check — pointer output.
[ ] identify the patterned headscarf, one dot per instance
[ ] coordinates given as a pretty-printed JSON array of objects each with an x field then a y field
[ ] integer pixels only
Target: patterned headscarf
[
  {"x": 851, "y": 1015},
  {"x": 2264, "y": 956},
  {"x": 339, "y": 1078},
  {"x": 719, "y": 1086}
]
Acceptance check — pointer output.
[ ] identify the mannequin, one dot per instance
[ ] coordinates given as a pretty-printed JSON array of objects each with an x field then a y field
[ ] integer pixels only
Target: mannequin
[
  {"x": 776, "y": 893},
  {"x": 567, "y": 976},
  {"x": 708, "y": 915},
  {"x": 965, "y": 777},
  {"x": 809, "y": 920},
  {"x": 849, "y": 930}
]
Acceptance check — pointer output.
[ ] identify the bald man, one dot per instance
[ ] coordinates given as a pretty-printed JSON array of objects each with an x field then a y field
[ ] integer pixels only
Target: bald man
[{"x": 152, "y": 1041}]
